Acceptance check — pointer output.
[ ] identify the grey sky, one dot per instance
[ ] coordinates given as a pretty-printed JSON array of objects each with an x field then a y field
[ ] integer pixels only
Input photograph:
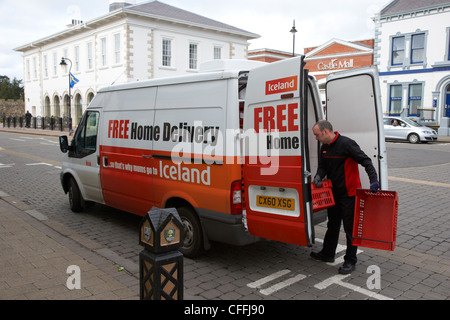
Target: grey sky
[{"x": 317, "y": 21}]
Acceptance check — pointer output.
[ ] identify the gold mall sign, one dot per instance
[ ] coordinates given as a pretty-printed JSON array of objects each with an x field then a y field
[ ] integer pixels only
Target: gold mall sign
[{"x": 335, "y": 64}]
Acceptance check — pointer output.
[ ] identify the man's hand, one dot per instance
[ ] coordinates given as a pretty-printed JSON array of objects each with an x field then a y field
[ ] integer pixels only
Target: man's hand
[
  {"x": 317, "y": 181},
  {"x": 374, "y": 186}
]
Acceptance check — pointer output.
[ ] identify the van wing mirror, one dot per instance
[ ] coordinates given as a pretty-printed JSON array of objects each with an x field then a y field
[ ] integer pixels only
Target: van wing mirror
[{"x": 64, "y": 144}]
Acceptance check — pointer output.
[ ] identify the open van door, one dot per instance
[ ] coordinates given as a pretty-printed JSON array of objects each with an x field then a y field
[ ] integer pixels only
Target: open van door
[
  {"x": 354, "y": 109},
  {"x": 276, "y": 173}
]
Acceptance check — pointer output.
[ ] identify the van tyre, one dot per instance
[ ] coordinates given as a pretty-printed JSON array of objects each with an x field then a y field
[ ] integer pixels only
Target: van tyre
[
  {"x": 193, "y": 234},
  {"x": 75, "y": 199}
]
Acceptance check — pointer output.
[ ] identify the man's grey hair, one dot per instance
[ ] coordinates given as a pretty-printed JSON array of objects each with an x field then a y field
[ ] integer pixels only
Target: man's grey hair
[{"x": 324, "y": 124}]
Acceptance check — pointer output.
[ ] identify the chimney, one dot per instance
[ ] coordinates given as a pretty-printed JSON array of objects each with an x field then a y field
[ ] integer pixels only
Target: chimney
[
  {"x": 74, "y": 23},
  {"x": 117, "y": 4}
]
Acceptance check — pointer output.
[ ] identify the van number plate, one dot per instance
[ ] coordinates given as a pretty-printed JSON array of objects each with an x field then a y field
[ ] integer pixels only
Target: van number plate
[{"x": 275, "y": 202}]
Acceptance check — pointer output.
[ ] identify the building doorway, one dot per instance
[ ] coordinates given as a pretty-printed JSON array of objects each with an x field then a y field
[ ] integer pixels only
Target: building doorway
[
  {"x": 57, "y": 106},
  {"x": 78, "y": 107},
  {"x": 47, "y": 107},
  {"x": 447, "y": 102}
]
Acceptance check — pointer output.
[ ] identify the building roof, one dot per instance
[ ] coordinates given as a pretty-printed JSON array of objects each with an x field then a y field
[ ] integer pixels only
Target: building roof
[
  {"x": 402, "y": 6},
  {"x": 350, "y": 47},
  {"x": 153, "y": 10},
  {"x": 174, "y": 14}
]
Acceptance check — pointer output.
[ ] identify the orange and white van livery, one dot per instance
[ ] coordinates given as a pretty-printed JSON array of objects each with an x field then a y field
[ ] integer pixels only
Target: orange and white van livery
[{"x": 229, "y": 147}]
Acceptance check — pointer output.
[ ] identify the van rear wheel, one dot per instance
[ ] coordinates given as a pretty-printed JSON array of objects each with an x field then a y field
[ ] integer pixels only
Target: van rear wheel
[
  {"x": 193, "y": 235},
  {"x": 75, "y": 199}
]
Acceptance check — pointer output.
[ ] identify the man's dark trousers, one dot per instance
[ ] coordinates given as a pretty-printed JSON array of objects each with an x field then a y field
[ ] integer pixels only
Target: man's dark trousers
[{"x": 342, "y": 211}]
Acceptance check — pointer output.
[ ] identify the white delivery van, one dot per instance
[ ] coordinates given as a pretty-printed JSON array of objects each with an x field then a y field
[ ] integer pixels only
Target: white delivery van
[{"x": 231, "y": 148}]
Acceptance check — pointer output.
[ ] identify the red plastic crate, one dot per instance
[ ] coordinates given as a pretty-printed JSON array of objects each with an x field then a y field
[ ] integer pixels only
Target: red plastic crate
[
  {"x": 375, "y": 224},
  {"x": 322, "y": 198}
]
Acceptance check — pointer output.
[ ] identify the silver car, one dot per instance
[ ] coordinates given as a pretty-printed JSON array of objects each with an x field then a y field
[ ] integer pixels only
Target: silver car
[{"x": 405, "y": 129}]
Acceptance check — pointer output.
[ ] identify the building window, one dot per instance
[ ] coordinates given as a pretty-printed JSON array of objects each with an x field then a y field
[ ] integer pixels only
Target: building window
[
  {"x": 418, "y": 48},
  {"x": 448, "y": 44},
  {"x": 77, "y": 58},
  {"x": 167, "y": 53},
  {"x": 395, "y": 105},
  {"x": 55, "y": 63},
  {"x": 117, "y": 48},
  {"x": 89, "y": 55},
  {"x": 398, "y": 51},
  {"x": 28, "y": 70},
  {"x": 65, "y": 55},
  {"x": 193, "y": 53},
  {"x": 217, "y": 53},
  {"x": 45, "y": 66},
  {"x": 35, "y": 68},
  {"x": 103, "y": 47},
  {"x": 415, "y": 99}
]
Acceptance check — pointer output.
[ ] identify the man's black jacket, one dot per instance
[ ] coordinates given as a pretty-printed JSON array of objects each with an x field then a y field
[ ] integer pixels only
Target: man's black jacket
[{"x": 339, "y": 162}]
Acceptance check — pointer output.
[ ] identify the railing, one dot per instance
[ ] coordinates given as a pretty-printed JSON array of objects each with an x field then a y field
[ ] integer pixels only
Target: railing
[{"x": 41, "y": 123}]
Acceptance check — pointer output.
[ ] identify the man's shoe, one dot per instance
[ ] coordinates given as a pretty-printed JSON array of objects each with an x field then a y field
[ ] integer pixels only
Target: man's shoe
[
  {"x": 347, "y": 268},
  {"x": 320, "y": 257}
]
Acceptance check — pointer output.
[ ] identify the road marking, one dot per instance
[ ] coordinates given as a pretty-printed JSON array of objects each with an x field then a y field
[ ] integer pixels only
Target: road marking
[
  {"x": 276, "y": 275},
  {"x": 40, "y": 164},
  {"x": 276, "y": 287},
  {"x": 338, "y": 280},
  {"x": 30, "y": 157},
  {"x": 282, "y": 285},
  {"x": 9, "y": 165},
  {"x": 339, "y": 249},
  {"x": 14, "y": 139},
  {"x": 428, "y": 183}
]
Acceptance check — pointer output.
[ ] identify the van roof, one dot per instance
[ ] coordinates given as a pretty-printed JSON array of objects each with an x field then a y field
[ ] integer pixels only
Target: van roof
[{"x": 211, "y": 70}]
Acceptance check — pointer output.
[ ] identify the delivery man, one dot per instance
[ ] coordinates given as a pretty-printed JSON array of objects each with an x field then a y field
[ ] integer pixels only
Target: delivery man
[{"x": 338, "y": 160}]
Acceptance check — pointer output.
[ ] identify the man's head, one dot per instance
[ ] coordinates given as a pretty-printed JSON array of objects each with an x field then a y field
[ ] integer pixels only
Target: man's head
[{"x": 323, "y": 131}]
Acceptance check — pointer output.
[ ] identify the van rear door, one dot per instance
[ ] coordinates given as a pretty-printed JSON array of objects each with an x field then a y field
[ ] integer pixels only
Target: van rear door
[
  {"x": 354, "y": 109},
  {"x": 276, "y": 177}
]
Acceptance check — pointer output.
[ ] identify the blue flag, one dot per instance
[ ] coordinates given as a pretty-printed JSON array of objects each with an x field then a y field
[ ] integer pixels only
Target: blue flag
[{"x": 73, "y": 80}]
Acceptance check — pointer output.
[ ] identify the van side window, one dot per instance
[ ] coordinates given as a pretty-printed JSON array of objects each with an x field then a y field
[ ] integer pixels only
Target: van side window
[{"x": 85, "y": 140}]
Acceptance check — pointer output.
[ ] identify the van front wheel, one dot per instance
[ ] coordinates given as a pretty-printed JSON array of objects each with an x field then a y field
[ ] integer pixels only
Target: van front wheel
[
  {"x": 193, "y": 235},
  {"x": 75, "y": 198}
]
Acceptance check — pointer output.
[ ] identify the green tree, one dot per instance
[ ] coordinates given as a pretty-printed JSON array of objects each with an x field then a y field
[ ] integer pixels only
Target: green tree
[{"x": 11, "y": 89}]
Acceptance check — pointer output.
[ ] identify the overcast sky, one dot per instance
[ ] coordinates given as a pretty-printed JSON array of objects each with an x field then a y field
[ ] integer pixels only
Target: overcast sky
[{"x": 317, "y": 21}]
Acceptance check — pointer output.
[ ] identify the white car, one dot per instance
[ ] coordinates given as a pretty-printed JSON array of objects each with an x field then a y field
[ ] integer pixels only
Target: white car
[{"x": 396, "y": 128}]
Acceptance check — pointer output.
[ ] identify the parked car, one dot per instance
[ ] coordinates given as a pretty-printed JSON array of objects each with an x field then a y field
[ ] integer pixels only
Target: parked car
[{"x": 396, "y": 128}]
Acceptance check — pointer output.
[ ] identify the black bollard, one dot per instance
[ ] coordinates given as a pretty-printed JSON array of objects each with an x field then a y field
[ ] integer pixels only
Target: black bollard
[{"x": 160, "y": 263}]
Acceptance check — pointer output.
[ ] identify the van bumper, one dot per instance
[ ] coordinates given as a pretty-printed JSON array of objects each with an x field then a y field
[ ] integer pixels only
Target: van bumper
[{"x": 225, "y": 228}]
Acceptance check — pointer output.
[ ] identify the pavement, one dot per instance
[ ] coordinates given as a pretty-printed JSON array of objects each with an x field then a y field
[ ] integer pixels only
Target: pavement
[{"x": 40, "y": 259}]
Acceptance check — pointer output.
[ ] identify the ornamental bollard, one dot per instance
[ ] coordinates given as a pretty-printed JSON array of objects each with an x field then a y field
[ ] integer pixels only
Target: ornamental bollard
[{"x": 160, "y": 263}]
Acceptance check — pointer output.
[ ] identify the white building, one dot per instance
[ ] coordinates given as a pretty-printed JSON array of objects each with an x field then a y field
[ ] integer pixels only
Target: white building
[
  {"x": 412, "y": 51},
  {"x": 130, "y": 43}
]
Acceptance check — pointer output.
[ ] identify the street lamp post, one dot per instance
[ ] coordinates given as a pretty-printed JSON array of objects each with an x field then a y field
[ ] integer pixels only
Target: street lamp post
[
  {"x": 293, "y": 31},
  {"x": 63, "y": 64}
]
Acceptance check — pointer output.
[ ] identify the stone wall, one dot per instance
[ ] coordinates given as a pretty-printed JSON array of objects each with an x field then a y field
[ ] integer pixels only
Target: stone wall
[{"x": 14, "y": 108}]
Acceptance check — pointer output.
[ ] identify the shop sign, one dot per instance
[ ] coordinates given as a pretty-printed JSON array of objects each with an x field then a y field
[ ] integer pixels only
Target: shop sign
[{"x": 335, "y": 64}]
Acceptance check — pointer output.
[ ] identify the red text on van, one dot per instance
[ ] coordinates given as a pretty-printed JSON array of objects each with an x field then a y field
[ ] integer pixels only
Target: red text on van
[
  {"x": 282, "y": 118},
  {"x": 118, "y": 129}
]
